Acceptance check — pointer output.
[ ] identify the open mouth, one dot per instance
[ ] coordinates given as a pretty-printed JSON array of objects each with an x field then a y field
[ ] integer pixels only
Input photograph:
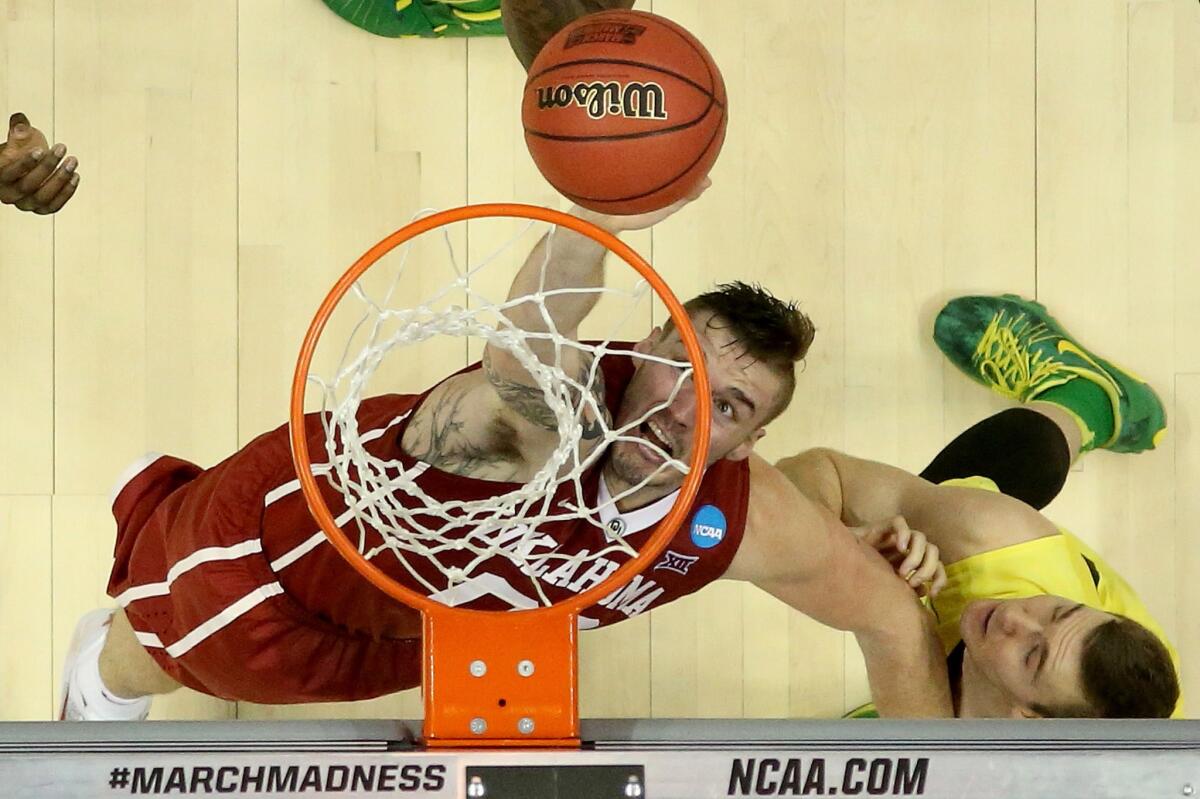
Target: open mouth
[{"x": 653, "y": 433}]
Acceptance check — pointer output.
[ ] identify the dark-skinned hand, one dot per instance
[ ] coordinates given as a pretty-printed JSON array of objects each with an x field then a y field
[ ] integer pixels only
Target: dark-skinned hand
[{"x": 34, "y": 176}]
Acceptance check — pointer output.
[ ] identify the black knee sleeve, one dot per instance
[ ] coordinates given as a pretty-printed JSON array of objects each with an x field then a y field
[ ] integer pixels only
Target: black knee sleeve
[{"x": 1020, "y": 450}]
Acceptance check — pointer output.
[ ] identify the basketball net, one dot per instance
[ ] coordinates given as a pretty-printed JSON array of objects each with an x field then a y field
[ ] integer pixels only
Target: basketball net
[{"x": 390, "y": 517}]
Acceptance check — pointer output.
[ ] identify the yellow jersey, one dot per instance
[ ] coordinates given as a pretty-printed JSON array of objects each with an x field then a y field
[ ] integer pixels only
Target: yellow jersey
[{"x": 1059, "y": 564}]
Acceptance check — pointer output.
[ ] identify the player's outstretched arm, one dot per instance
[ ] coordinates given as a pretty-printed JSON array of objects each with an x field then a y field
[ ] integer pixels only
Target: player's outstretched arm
[
  {"x": 961, "y": 521},
  {"x": 799, "y": 552},
  {"x": 531, "y": 23},
  {"x": 562, "y": 259}
]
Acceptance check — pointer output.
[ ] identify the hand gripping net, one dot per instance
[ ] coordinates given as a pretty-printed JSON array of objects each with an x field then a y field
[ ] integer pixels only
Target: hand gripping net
[{"x": 437, "y": 545}]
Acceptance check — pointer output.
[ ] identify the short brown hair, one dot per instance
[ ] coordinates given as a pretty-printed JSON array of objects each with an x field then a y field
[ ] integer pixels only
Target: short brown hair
[
  {"x": 775, "y": 332},
  {"x": 1127, "y": 674}
]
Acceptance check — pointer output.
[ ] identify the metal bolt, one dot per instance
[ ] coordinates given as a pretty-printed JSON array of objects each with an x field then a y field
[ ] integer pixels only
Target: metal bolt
[
  {"x": 478, "y": 668},
  {"x": 476, "y": 788},
  {"x": 525, "y": 725},
  {"x": 525, "y": 668},
  {"x": 633, "y": 788},
  {"x": 478, "y": 726}
]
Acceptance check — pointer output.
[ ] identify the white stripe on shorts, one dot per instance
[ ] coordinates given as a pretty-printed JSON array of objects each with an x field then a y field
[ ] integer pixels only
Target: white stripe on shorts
[
  {"x": 295, "y": 553},
  {"x": 184, "y": 565},
  {"x": 224, "y": 619},
  {"x": 149, "y": 640},
  {"x": 233, "y": 552}
]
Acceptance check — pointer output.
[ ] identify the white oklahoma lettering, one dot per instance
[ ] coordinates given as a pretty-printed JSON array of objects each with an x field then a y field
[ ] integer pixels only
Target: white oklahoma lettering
[{"x": 624, "y": 599}]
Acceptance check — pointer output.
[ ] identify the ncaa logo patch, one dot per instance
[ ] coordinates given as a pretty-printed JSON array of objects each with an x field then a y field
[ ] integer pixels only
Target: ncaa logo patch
[{"x": 708, "y": 527}]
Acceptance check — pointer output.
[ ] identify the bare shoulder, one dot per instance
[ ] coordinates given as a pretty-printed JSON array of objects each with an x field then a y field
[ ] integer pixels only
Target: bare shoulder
[
  {"x": 772, "y": 495},
  {"x": 781, "y": 524}
]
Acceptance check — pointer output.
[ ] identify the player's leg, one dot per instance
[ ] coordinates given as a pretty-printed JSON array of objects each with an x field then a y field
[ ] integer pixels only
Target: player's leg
[
  {"x": 531, "y": 23},
  {"x": 107, "y": 674},
  {"x": 1074, "y": 400},
  {"x": 126, "y": 667},
  {"x": 273, "y": 654},
  {"x": 1026, "y": 452},
  {"x": 1065, "y": 422}
]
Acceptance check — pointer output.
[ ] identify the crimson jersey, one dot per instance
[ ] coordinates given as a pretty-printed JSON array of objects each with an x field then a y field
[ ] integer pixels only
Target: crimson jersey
[{"x": 234, "y": 590}]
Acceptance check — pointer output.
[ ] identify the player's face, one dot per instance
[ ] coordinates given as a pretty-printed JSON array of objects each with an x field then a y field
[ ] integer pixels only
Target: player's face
[
  {"x": 744, "y": 392},
  {"x": 1030, "y": 650}
]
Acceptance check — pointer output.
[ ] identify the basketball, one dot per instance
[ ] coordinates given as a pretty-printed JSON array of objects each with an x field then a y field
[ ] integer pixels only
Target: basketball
[{"x": 624, "y": 112}]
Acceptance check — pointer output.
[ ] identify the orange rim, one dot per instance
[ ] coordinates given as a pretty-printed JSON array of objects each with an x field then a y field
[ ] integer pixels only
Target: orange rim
[{"x": 303, "y": 463}]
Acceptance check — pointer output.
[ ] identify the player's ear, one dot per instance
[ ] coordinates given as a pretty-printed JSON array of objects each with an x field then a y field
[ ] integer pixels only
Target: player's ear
[
  {"x": 645, "y": 345},
  {"x": 743, "y": 450}
]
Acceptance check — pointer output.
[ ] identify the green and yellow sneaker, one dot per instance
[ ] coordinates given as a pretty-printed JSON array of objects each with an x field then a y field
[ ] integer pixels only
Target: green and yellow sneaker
[
  {"x": 1016, "y": 348},
  {"x": 866, "y": 711},
  {"x": 425, "y": 18}
]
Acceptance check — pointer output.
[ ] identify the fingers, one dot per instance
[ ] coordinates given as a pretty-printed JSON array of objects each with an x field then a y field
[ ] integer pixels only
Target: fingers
[
  {"x": 618, "y": 223},
  {"x": 904, "y": 535},
  {"x": 880, "y": 535},
  {"x": 917, "y": 560},
  {"x": 42, "y": 171},
  {"x": 939, "y": 581},
  {"x": 46, "y": 193},
  {"x": 50, "y": 203},
  {"x": 921, "y": 566},
  {"x": 691, "y": 196},
  {"x": 699, "y": 189},
  {"x": 38, "y": 182},
  {"x": 928, "y": 571},
  {"x": 60, "y": 199},
  {"x": 928, "y": 568},
  {"x": 19, "y": 132},
  {"x": 891, "y": 538},
  {"x": 914, "y": 549}
]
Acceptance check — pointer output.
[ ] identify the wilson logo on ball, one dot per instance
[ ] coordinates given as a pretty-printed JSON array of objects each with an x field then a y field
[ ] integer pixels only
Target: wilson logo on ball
[
  {"x": 604, "y": 33},
  {"x": 596, "y": 105},
  {"x": 634, "y": 100}
]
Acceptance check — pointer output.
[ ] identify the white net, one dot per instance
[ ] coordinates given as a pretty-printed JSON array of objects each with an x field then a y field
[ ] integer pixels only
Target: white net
[{"x": 438, "y": 542}]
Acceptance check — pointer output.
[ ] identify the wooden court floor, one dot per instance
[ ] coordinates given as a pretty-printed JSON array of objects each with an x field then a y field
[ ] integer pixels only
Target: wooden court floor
[{"x": 883, "y": 156}]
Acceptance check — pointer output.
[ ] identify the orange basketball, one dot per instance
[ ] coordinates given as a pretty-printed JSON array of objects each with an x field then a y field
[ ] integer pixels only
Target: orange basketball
[{"x": 624, "y": 112}]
